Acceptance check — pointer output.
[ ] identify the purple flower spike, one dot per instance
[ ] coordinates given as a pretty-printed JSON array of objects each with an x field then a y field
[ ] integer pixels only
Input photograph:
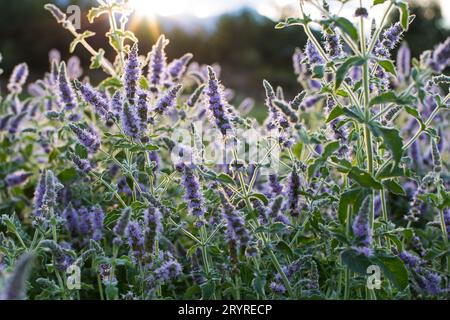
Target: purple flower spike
[
  {"x": 313, "y": 55},
  {"x": 333, "y": 45},
  {"x": 39, "y": 195},
  {"x": 45, "y": 194},
  {"x": 275, "y": 187},
  {"x": 130, "y": 121},
  {"x": 404, "y": 62},
  {"x": 97, "y": 221},
  {"x": 117, "y": 103},
  {"x": 193, "y": 195},
  {"x": 246, "y": 106},
  {"x": 153, "y": 228},
  {"x": 310, "y": 102},
  {"x": 96, "y": 100},
  {"x": 361, "y": 228},
  {"x": 447, "y": 221},
  {"x": 177, "y": 68},
  {"x": 270, "y": 97},
  {"x": 72, "y": 223},
  {"x": 87, "y": 138},
  {"x": 158, "y": 61},
  {"x": 236, "y": 230},
  {"x": 15, "y": 123},
  {"x": 436, "y": 155},
  {"x": 277, "y": 288},
  {"x": 293, "y": 193},
  {"x": 217, "y": 104},
  {"x": 142, "y": 109},
  {"x": 168, "y": 100},
  {"x": 121, "y": 225},
  {"x": 391, "y": 37},
  {"x": 300, "y": 68},
  {"x": 441, "y": 57},
  {"x": 431, "y": 282},
  {"x": 84, "y": 220},
  {"x": 4, "y": 121},
  {"x": 136, "y": 240},
  {"x": 196, "y": 95},
  {"x": 74, "y": 69},
  {"x": 17, "y": 178},
  {"x": 18, "y": 78},
  {"x": 83, "y": 166},
  {"x": 67, "y": 97},
  {"x": 410, "y": 260},
  {"x": 15, "y": 288},
  {"x": 132, "y": 74},
  {"x": 169, "y": 270}
]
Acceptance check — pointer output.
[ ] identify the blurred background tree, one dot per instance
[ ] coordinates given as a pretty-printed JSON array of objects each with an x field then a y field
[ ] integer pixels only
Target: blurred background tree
[{"x": 244, "y": 42}]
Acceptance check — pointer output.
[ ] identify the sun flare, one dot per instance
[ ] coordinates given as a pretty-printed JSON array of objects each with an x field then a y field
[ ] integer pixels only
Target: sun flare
[{"x": 150, "y": 8}]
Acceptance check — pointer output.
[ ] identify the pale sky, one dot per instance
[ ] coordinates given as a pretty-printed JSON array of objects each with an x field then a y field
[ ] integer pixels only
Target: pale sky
[{"x": 207, "y": 8}]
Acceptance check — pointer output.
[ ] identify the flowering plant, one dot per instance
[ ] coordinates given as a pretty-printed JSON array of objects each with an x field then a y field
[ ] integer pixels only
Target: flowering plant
[{"x": 153, "y": 184}]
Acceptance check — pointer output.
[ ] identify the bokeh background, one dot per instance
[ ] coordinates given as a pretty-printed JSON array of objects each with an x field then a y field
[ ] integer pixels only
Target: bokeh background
[{"x": 237, "y": 34}]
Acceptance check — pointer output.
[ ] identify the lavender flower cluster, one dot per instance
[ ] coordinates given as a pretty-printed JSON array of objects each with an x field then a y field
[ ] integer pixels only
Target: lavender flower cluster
[{"x": 115, "y": 179}]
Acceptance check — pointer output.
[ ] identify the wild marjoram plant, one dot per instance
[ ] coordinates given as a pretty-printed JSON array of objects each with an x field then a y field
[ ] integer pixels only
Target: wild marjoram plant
[{"x": 152, "y": 185}]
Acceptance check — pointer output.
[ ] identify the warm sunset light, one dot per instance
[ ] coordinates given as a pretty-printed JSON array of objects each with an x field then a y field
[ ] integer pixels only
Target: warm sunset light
[{"x": 150, "y": 8}]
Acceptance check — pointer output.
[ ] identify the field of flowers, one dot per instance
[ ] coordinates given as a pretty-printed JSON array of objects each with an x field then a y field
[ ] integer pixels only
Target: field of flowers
[{"x": 155, "y": 184}]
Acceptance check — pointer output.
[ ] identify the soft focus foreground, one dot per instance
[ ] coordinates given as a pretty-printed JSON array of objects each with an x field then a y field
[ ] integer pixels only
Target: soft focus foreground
[{"x": 152, "y": 185}]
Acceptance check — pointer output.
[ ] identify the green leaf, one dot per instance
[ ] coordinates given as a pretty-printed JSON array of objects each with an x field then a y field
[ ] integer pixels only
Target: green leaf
[
  {"x": 292, "y": 22},
  {"x": 354, "y": 113},
  {"x": 192, "y": 250},
  {"x": 391, "y": 138},
  {"x": 111, "y": 292},
  {"x": 80, "y": 151},
  {"x": 8, "y": 222},
  {"x": 258, "y": 283},
  {"x": 111, "y": 82},
  {"x": 364, "y": 179},
  {"x": 390, "y": 97},
  {"x": 393, "y": 268},
  {"x": 394, "y": 187},
  {"x": 342, "y": 71},
  {"x": 403, "y": 7},
  {"x": 347, "y": 27},
  {"x": 277, "y": 227},
  {"x": 355, "y": 262},
  {"x": 297, "y": 150},
  {"x": 143, "y": 83},
  {"x": 150, "y": 147},
  {"x": 208, "y": 290},
  {"x": 391, "y": 171},
  {"x": 95, "y": 13},
  {"x": 415, "y": 113},
  {"x": 96, "y": 61},
  {"x": 352, "y": 197},
  {"x": 335, "y": 113},
  {"x": 285, "y": 248},
  {"x": 225, "y": 178},
  {"x": 377, "y": 2},
  {"x": 261, "y": 197},
  {"x": 388, "y": 66},
  {"x": 328, "y": 151},
  {"x": 318, "y": 72},
  {"x": 68, "y": 175}
]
